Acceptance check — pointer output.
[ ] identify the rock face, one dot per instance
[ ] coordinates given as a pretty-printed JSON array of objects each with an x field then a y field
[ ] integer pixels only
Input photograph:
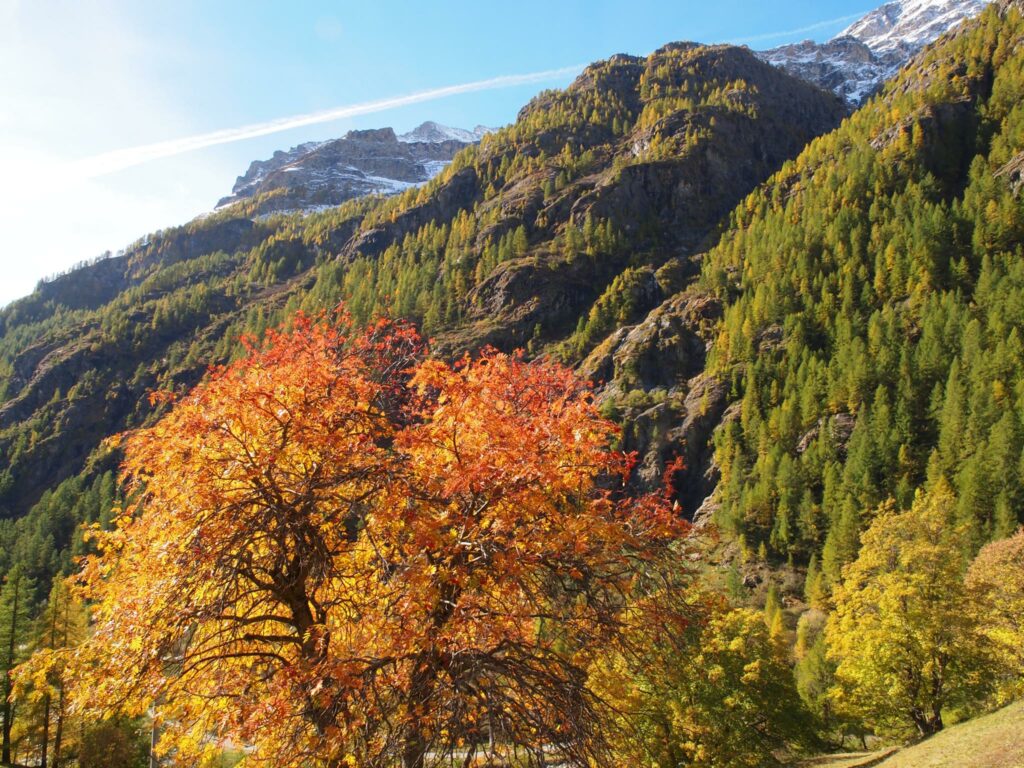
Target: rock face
[
  {"x": 654, "y": 373},
  {"x": 320, "y": 175},
  {"x": 722, "y": 150},
  {"x": 856, "y": 62}
]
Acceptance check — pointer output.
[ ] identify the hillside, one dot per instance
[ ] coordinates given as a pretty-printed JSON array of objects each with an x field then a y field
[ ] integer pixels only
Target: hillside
[
  {"x": 626, "y": 172},
  {"x": 562, "y": 232},
  {"x": 872, "y": 329},
  {"x": 992, "y": 741},
  {"x": 995, "y": 740}
]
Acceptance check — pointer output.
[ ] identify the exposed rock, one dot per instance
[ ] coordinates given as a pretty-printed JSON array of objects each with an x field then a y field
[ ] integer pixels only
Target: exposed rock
[
  {"x": 1013, "y": 171},
  {"x": 770, "y": 339},
  {"x": 844, "y": 65},
  {"x": 668, "y": 347},
  {"x": 666, "y": 354},
  {"x": 840, "y": 427}
]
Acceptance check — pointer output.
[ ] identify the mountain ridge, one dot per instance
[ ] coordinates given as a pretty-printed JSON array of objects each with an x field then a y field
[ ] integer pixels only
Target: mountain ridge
[
  {"x": 522, "y": 231},
  {"x": 322, "y": 174},
  {"x": 856, "y": 62}
]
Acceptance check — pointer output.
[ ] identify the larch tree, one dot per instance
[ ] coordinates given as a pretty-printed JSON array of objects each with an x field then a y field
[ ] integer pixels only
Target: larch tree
[
  {"x": 339, "y": 554},
  {"x": 711, "y": 690},
  {"x": 15, "y": 623},
  {"x": 904, "y": 633},
  {"x": 42, "y": 685}
]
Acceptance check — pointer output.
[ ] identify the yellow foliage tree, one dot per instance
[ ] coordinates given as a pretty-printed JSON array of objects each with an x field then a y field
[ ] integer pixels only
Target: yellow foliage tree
[
  {"x": 712, "y": 691},
  {"x": 904, "y": 632},
  {"x": 996, "y": 578}
]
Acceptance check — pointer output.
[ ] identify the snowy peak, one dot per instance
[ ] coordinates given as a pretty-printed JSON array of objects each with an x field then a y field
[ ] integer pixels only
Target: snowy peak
[
  {"x": 434, "y": 133},
  {"x": 318, "y": 175},
  {"x": 856, "y": 62},
  {"x": 911, "y": 24}
]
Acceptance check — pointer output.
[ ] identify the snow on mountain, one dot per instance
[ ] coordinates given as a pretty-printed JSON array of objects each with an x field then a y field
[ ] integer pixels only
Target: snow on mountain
[
  {"x": 911, "y": 23},
  {"x": 845, "y": 66},
  {"x": 315, "y": 175},
  {"x": 857, "y": 61},
  {"x": 432, "y": 132}
]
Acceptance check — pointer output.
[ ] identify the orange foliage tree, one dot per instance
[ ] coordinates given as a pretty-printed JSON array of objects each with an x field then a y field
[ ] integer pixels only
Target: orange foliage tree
[{"x": 342, "y": 554}]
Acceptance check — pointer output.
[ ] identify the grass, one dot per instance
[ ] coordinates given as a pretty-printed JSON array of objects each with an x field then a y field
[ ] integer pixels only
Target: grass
[{"x": 995, "y": 740}]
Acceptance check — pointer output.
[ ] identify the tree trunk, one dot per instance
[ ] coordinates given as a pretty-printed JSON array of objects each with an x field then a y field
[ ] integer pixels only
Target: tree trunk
[
  {"x": 421, "y": 689},
  {"x": 8, "y": 708},
  {"x": 59, "y": 732},
  {"x": 927, "y": 724},
  {"x": 46, "y": 732},
  {"x": 153, "y": 737},
  {"x": 414, "y": 753}
]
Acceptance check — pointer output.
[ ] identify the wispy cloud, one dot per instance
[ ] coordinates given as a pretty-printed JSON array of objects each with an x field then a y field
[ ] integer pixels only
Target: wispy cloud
[
  {"x": 120, "y": 159},
  {"x": 802, "y": 30}
]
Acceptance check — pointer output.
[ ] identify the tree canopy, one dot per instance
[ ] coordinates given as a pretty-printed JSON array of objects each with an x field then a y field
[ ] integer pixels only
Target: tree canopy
[
  {"x": 904, "y": 632},
  {"x": 341, "y": 554}
]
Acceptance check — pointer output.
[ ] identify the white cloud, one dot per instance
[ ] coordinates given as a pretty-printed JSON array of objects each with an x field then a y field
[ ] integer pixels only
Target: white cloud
[{"x": 119, "y": 159}]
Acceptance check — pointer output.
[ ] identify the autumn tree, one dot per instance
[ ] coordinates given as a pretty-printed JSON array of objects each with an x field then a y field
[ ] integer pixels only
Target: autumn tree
[
  {"x": 59, "y": 629},
  {"x": 904, "y": 633},
  {"x": 996, "y": 581},
  {"x": 712, "y": 690},
  {"x": 343, "y": 555},
  {"x": 15, "y": 616}
]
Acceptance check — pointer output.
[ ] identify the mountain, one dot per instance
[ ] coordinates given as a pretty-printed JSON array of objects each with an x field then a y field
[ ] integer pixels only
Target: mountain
[
  {"x": 619, "y": 180},
  {"x": 318, "y": 175},
  {"x": 909, "y": 25},
  {"x": 856, "y": 62},
  {"x": 872, "y": 335},
  {"x": 815, "y": 313}
]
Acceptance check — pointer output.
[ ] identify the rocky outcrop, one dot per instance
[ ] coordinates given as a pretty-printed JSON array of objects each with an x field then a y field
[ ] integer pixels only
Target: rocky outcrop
[
  {"x": 661, "y": 352},
  {"x": 652, "y": 375},
  {"x": 846, "y": 66},
  {"x": 1013, "y": 172}
]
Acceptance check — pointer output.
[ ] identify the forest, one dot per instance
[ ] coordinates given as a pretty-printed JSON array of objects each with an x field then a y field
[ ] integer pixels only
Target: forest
[{"x": 418, "y": 480}]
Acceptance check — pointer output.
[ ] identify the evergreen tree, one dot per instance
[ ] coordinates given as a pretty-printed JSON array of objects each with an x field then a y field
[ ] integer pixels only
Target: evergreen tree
[{"x": 15, "y": 616}]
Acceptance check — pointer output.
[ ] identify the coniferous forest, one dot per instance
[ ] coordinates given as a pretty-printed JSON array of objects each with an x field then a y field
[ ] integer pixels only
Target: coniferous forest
[{"x": 678, "y": 423}]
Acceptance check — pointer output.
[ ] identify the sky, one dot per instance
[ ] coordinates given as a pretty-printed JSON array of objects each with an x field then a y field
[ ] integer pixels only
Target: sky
[{"x": 121, "y": 117}]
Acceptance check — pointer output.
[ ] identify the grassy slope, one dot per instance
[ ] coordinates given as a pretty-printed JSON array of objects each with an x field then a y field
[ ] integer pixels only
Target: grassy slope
[{"x": 993, "y": 741}]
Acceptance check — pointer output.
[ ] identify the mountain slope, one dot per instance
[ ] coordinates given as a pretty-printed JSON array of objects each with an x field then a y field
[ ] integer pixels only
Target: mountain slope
[
  {"x": 863, "y": 290},
  {"x": 910, "y": 24},
  {"x": 873, "y": 329},
  {"x": 856, "y": 62},
  {"x": 620, "y": 180}
]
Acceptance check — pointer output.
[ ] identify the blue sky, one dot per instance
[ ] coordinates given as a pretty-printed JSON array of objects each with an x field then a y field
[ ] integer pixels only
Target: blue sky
[{"x": 80, "y": 79}]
